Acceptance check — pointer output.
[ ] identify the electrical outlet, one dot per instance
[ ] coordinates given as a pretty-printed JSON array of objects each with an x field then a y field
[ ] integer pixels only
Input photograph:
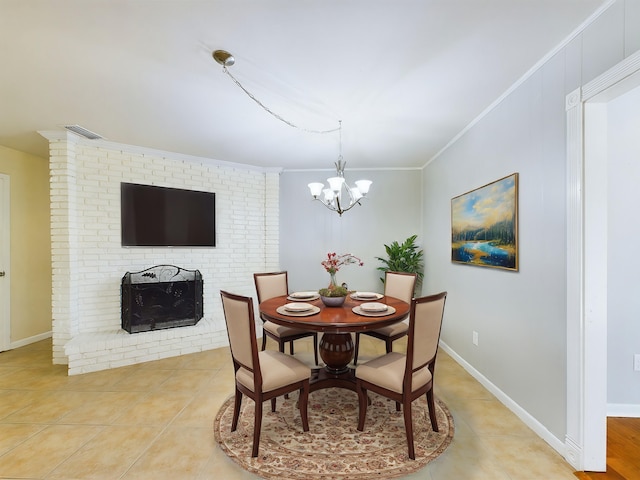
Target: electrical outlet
[
  {"x": 475, "y": 339},
  {"x": 636, "y": 362}
]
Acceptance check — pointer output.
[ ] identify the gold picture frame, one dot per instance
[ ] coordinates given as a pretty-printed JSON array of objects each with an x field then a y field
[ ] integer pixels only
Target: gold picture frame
[{"x": 484, "y": 225}]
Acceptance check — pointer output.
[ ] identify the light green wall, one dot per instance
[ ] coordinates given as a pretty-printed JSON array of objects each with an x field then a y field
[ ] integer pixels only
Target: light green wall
[
  {"x": 30, "y": 243},
  {"x": 308, "y": 231},
  {"x": 520, "y": 317}
]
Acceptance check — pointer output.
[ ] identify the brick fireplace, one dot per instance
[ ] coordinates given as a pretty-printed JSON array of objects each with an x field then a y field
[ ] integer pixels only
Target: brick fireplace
[{"x": 88, "y": 260}]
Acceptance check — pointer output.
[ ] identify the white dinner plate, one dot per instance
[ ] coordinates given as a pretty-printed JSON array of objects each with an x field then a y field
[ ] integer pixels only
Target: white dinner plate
[
  {"x": 373, "y": 307},
  {"x": 298, "y": 307},
  {"x": 312, "y": 311},
  {"x": 303, "y": 295},
  {"x": 366, "y": 296},
  {"x": 382, "y": 313}
]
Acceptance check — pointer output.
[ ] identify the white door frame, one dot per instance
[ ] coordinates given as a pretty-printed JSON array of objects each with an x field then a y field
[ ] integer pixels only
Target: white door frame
[
  {"x": 5, "y": 263},
  {"x": 586, "y": 437}
]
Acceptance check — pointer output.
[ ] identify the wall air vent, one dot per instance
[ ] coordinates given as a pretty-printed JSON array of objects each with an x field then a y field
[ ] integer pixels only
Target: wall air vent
[{"x": 83, "y": 132}]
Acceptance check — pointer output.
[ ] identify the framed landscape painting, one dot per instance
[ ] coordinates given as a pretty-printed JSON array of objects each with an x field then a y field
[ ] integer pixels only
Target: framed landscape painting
[{"x": 484, "y": 225}]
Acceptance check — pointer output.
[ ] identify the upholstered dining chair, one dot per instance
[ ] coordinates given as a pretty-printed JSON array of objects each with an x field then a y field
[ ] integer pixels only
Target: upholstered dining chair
[
  {"x": 399, "y": 285},
  {"x": 274, "y": 284},
  {"x": 260, "y": 375},
  {"x": 406, "y": 377}
]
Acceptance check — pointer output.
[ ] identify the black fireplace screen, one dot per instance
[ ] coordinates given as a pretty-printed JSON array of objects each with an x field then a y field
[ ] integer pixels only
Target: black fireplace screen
[{"x": 164, "y": 296}]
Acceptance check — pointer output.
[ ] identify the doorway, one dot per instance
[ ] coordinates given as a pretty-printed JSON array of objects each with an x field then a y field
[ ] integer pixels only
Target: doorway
[
  {"x": 587, "y": 262},
  {"x": 5, "y": 264}
]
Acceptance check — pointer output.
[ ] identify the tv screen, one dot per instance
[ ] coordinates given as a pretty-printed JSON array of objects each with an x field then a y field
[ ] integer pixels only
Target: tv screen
[{"x": 153, "y": 216}]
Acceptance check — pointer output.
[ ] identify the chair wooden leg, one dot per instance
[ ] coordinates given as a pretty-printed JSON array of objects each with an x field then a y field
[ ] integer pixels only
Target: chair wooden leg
[
  {"x": 236, "y": 410},
  {"x": 315, "y": 348},
  {"x": 264, "y": 340},
  {"x": 257, "y": 426},
  {"x": 362, "y": 406},
  {"x": 273, "y": 404},
  {"x": 432, "y": 410},
  {"x": 389, "y": 345},
  {"x": 356, "y": 349},
  {"x": 303, "y": 400},
  {"x": 291, "y": 347},
  {"x": 281, "y": 348},
  {"x": 408, "y": 426}
]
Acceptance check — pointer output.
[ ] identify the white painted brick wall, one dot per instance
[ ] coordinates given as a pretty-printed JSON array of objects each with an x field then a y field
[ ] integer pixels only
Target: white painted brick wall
[{"x": 89, "y": 262}]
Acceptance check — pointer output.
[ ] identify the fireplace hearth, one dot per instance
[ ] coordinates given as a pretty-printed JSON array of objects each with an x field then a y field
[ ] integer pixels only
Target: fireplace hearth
[{"x": 163, "y": 296}]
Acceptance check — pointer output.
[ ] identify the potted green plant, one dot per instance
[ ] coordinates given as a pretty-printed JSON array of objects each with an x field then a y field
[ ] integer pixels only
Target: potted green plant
[
  {"x": 333, "y": 296},
  {"x": 404, "y": 257}
]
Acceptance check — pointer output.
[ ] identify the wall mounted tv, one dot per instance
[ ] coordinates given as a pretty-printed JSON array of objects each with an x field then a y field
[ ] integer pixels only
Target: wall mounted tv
[{"x": 153, "y": 216}]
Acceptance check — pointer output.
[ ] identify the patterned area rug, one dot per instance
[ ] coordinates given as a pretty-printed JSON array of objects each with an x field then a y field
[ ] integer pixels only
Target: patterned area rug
[{"x": 333, "y": 448}]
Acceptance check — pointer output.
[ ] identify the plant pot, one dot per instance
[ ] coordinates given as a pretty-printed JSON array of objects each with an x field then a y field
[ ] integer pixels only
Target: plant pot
[{"x": 332, "y": 301}]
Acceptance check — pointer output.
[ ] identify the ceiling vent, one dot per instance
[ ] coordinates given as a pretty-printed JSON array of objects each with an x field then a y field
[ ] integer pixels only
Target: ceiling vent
[{"x": 83, "y": 132}]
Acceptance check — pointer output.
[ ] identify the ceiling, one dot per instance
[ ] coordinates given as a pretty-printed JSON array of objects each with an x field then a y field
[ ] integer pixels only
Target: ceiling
[{"x": 404, "y": 76}]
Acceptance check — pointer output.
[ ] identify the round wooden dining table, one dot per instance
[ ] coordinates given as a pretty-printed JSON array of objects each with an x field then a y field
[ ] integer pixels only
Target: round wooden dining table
[{"x": 336, "y": 325}]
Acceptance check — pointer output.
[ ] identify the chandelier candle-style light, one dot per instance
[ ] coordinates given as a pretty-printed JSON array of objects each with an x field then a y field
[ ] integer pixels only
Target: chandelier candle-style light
[{"x": 332, "y": 197}]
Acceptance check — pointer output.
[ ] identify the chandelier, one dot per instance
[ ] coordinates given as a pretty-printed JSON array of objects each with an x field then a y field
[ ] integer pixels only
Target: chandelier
[
  {"x": 339, "y": 197},
  {"x": 332, "y": 197}
]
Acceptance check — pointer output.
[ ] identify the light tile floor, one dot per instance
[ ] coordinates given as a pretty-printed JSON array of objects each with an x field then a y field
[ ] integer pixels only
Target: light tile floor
[{"x": 154, "y": 421}]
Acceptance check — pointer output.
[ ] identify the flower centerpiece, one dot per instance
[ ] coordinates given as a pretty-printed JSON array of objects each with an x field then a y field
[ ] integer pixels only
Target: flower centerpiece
[{"x": 334, "y": 294}]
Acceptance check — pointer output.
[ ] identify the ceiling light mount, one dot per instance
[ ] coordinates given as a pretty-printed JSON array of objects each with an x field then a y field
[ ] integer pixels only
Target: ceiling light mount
[{"x": 224, "y": 58}]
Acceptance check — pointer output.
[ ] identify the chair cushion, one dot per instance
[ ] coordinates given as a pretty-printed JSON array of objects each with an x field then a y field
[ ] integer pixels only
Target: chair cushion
[
  {"x": 393, "y": 330},
  {"x": 280, "y": 331},
  {"x": 277, "y": 370},
  {"x": 387, "y": 371}
]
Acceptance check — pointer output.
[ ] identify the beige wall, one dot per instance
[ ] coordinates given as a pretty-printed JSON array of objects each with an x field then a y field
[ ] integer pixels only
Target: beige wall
[{"x": 30, "y": 244}]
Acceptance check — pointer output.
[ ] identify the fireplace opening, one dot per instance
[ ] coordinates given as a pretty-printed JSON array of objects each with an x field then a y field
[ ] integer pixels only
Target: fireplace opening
[{"x": 163, "y": 296}]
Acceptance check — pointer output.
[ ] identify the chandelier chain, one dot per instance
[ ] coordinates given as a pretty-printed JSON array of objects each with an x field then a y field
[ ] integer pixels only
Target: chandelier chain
[
  {"x": 330, "y": 197},
  {"x": 268, "y": 110}
]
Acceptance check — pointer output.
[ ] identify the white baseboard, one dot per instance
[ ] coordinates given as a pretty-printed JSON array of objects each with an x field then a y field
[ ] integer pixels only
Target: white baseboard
[
  {"x": 573, "y": 453},
  {"x": 623, "y": 410},
  {"x": 29, "y": 340},
  {"x": 520, "y": 412}
]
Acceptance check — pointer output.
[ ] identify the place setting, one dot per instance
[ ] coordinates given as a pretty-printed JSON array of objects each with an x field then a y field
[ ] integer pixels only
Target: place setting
[
  {"x": 373, "y": 309},
  {"x": 303, "y": 296},
  {"x": 298, "y": 309},
  {"x": 366, "y": 296}
]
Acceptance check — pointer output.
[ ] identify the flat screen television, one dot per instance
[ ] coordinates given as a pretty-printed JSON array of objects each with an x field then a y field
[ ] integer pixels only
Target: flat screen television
[{"x": 153, "y": 216}]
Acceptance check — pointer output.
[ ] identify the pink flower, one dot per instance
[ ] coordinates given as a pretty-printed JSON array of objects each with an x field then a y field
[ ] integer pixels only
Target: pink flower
[{"x": 334, "y": 261}]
